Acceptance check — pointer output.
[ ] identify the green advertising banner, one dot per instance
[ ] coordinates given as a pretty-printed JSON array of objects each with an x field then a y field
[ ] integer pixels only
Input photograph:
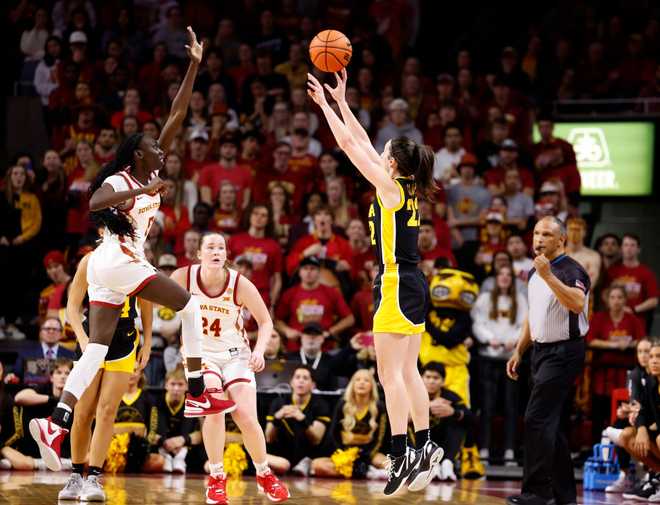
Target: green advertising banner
[{"x": 614, "y": 159}]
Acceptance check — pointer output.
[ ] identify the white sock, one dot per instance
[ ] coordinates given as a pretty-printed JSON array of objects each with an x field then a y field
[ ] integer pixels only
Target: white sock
[
  {"x": 262, "y": 468},
  {"x": 85, "y": 370},
  {"x": 191, "y": 326},
  {"x": 217, "y": 469},
  {"x": 181, "y": 455}
]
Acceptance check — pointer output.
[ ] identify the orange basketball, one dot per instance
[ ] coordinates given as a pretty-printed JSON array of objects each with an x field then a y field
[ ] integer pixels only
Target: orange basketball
[{"x": 330, "y": 51}]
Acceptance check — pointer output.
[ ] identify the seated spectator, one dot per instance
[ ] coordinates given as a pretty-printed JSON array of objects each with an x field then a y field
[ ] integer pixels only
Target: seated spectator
[
  {"x": 576, "y": 231},
  {"x": 466, "y": 200},
  {"x": 493, "y": 240},
  {"x": 500, "y": 259},
  {"x": 448, "y": 158},
  {"x": 129, "y": 126},
  {"x": 198, "y": 151},
  {"x": 226, "y": 169},
  {"x": 328, "y": 165},
  {"x": 20, "y": 450},
  {"x": 498, "y": 318},
  {"x": 429, "y": 247},
  {"x": 310, "y": 301},
  {"x": 359, "y": 421},
  {"x": 190, "y": 247},
  {"x": 33, "y": 41},
  {"x": 296, "y": 426},
  {"x": 638, "y": 376},
  {"x": 343, "y": 210},
  {"x": 522, "y": 263},
  {"x": 263, "y": 252},
  {"x": 332, "y": 250},
  {"x": 641, "y": 440},
  {"x": 398, "y": 125},
  {"x": 135, "y": 414},
  {"x": 280, "y": 205},
  {"x": 197, "y": 112},
  {"x": 519, "y": 205},
  {"x": 449, "y": 418},
  {"x": 488, "y": 152},
  {"x": 508, "y": 160},
  {"x": 251, "y": 151},
  {"x": 638, "y": 279},
  {"x": 301, "y": 160},
  {"x": 55, "y": 264},
  {"x": 176, "y": 434},
  {"x": 279, "y": 124},
  {"x": 227, "y": 216},
  {"x": 612, "y": 332},
  {"x": 34, "y": 363},
  {"x": 311, "y": 354}
]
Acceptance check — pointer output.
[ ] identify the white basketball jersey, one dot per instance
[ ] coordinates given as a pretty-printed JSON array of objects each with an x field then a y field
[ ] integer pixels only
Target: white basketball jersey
[
  {"x": 221, "y": 315},
  {"x": 141, "y": 211}
]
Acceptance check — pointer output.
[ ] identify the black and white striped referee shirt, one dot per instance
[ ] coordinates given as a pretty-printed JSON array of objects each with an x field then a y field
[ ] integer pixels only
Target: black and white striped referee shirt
[{"x": 549, "y": 320}]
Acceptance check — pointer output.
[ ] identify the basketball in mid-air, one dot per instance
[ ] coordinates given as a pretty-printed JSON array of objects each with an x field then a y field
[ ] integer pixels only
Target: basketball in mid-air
[{"x": 330, "y": 51}]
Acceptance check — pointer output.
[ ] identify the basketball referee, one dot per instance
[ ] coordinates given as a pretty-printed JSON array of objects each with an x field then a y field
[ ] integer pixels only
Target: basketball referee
[{"x": 558, "y": 293}]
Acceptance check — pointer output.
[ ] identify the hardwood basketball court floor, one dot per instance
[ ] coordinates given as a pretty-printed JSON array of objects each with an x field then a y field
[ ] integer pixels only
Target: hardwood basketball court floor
[{"x": 23, "y": 488}]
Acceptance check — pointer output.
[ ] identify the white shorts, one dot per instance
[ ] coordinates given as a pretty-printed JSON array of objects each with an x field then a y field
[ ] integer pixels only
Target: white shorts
[
  {"x": 230, "y": 367},
  {"x": 113, "y": 274}
]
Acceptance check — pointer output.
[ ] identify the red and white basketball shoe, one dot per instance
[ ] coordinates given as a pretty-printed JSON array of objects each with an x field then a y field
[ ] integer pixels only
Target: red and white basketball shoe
[
  {"x": 272, "y": 487},
  {"x": 48, "y": 437},
  {"x": 205, "y": 405},
  {"x": 216, "y": 491}
]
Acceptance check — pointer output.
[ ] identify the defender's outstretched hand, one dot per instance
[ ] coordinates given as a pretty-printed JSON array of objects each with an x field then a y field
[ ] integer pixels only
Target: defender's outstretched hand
[{"x": 194, "y": 49}]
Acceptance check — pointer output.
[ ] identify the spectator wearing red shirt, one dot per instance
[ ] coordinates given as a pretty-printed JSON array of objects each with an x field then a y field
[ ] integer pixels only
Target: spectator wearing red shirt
[
  {"x": 227, "y": 169},
  {"x": 301, "y": 161},
  {"x": 362, "y": 257},
  {"x": 638, "y": 280},
  {"x": 508, "y": 159},
  {"x": 198, "y": 151},
  {"x": 175, "y": 214},
  {"x": 611, "y": 332},
  {"x": 106, "y": 145},
  {"x": 493, "y": 240},
  {"x": 554, "y": 158},
  {"x": 190, "y": 247},
  {"x": 429, "y": 247},
  {"x": 149, "y": 77},
  {"x": 311, "y": 302},
  {"x": 77, "y": 219},
  {"x": 227, "y": 215},
  {"x": 322, "y": 243},
  {"x": 362, "y": 304},
  {"x": 54, "y": 263},
  {"x": 131, "y": 108},
  {"x": 258, "y": 246},
  {"x": 292, "y": 175}
]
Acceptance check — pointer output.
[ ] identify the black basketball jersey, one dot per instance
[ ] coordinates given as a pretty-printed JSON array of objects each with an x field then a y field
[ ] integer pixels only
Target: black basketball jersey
[
  {"x": 394, "y": 231},
  {"x": 128, "y": 314}
]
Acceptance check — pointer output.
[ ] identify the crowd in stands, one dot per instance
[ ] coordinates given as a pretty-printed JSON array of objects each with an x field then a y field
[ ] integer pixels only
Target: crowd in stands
[{"x": 256, "y": 162}]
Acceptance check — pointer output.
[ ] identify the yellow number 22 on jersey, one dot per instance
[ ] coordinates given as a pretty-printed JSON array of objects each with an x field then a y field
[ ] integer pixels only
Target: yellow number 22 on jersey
[{"x": 411, "y": 205}]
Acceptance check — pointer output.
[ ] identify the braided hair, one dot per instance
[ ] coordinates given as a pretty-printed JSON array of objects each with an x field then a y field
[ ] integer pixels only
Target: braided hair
[{"x": 111, "y": 218}]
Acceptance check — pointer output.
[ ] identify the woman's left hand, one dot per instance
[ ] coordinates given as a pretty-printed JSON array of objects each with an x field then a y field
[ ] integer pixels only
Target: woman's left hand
[
  {"x": 194, "y": 49},
  {"x": 143, "y": 356},
  {"x": 257, "y": 362},
  {"x": 315, "y": 91},
  {"x": 339, "y": 91}
]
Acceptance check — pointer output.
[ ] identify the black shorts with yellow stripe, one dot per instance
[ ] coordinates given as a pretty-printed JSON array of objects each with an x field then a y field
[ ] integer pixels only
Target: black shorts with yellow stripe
[
  {"x": 122, "y": 351},
  {"x": 400, "y": 300}
]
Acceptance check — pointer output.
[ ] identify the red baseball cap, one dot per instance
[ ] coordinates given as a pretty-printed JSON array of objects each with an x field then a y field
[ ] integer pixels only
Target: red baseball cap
[{"x": 54, "y": 257}]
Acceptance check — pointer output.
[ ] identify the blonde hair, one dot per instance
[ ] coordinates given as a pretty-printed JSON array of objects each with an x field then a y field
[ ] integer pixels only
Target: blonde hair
[{"x": 351, "y": 408}]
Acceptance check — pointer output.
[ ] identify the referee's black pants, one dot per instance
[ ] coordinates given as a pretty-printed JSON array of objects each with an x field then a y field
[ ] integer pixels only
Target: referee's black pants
[{"x": 548, "y": 470}]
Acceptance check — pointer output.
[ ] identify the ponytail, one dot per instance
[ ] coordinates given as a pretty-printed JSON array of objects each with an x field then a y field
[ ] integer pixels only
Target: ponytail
[
  {"x": 111, "y": 218},
  {"x": 416, "y": 160}
]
